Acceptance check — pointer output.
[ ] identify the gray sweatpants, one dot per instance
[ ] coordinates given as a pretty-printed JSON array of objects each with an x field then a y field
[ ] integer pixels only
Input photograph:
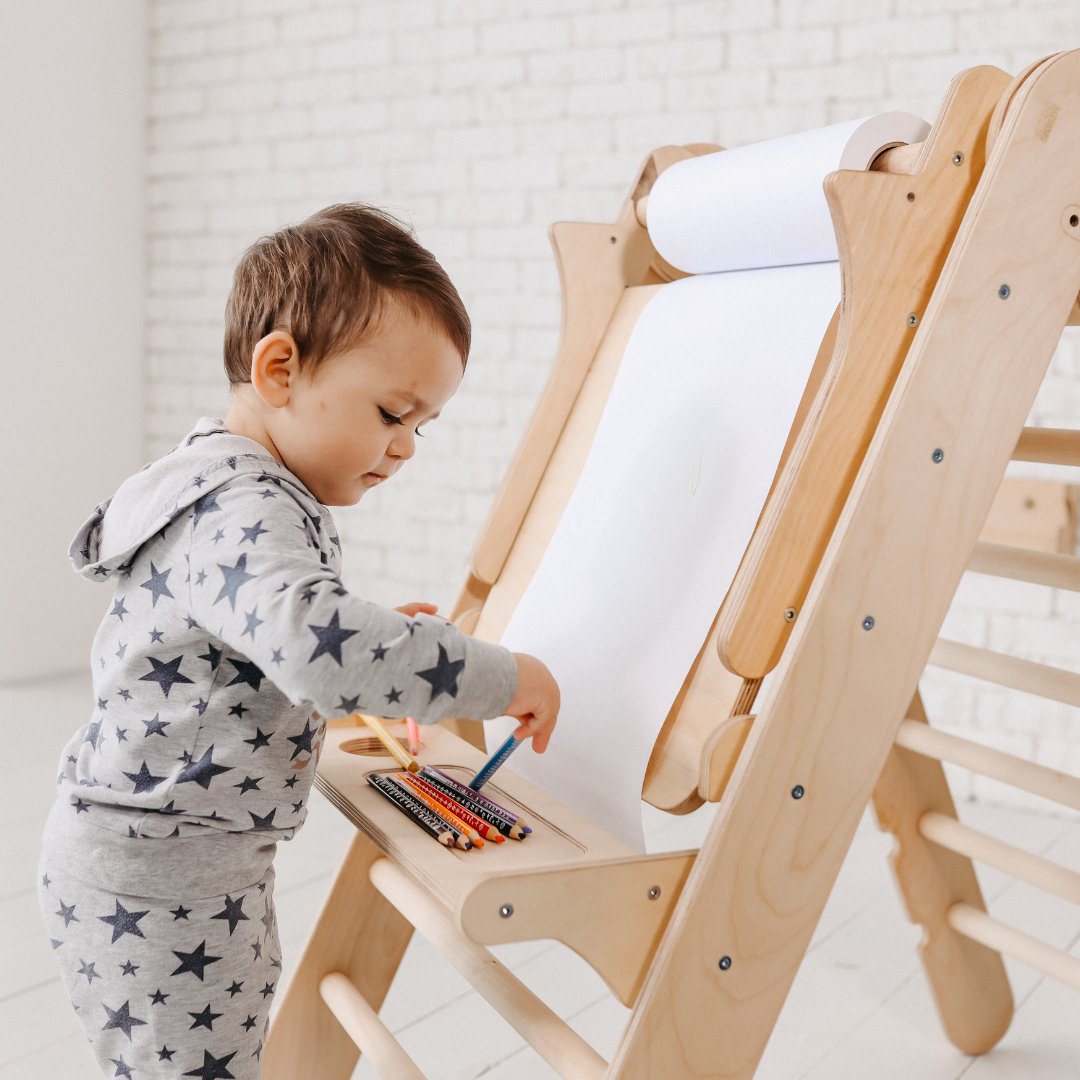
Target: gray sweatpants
[{"x": 165, "y": 986}]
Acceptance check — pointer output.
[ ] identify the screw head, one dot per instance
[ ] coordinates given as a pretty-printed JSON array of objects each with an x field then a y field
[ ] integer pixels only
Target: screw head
[
  {"x": 798, "y": 791},
  {"x": 506, "y": 910},
  {"x": 1004, "y": 292},
  {"x": 958, "y": 158},
  {"x": 725, "y": 963},
  {"x": 938, "y": 455},
  {"x": 868, "y": 622},
  {"x": 913, "y": 319},
  {"x": 789, "y": 614},
  {"x": 654, "y": 892}
]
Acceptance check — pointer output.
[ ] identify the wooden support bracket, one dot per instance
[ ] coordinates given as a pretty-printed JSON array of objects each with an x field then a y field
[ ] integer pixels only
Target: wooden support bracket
[{"x": 578, "y": 905}]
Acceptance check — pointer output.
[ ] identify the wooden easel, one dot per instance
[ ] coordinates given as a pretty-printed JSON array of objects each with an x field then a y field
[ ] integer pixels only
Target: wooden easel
[{"x": 960, "y": 261}]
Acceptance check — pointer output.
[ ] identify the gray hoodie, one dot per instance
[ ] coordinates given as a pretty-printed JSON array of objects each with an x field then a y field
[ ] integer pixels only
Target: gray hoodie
[{"x": 228, "y": 633}]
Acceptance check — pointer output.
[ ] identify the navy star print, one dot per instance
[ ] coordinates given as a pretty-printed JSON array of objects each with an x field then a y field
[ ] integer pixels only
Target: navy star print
[{"x": 222, "y": 645}]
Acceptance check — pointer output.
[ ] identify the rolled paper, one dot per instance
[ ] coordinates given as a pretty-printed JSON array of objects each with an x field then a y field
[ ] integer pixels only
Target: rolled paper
[{"x": 764, "y": 204}]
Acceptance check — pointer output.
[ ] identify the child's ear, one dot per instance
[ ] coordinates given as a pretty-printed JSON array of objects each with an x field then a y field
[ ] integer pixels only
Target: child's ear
[{"x": 275, "y": 366}]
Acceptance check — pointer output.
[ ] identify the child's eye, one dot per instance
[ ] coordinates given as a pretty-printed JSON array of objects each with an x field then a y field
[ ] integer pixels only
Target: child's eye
[{"x": 391, "y": 418}]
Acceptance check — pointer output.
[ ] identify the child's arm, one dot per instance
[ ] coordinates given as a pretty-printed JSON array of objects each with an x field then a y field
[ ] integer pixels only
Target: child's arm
[
  {"x": 537, "y": 699},
  {"x": 260, "y": 581}
]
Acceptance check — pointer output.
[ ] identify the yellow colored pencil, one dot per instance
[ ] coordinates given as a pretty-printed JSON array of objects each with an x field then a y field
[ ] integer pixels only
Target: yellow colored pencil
[{"x": 396, "y": 750}]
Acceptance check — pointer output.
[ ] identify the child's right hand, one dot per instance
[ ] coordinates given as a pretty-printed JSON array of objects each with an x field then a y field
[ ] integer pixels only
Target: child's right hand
[{"x": 535, "y": 703}]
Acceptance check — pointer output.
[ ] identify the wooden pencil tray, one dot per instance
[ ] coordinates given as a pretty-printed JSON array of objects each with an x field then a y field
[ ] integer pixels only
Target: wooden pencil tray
[{"x": 566, "y": 881}]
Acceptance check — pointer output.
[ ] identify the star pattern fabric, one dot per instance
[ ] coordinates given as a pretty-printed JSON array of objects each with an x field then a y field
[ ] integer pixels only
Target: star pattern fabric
[
  {"x": 143, "y": 980},
  {"x": 227, "y": 639}
]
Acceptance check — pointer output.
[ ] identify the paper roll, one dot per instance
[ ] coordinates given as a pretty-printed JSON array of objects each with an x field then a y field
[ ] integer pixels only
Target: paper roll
[{"x": 764, "y": 204}]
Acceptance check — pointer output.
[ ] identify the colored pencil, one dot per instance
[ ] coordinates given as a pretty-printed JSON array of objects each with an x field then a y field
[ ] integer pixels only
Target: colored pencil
[
  {"x": 413, "y": 729},
  {"x": 436, "y": 775},
  {"x": 448, "y": 815},
  {"x": 494, "y": 762},
  {"x": 427, "y": 821},
  {"x": 396, "y": 750},
  {"x": 488, "y": 832},
  {"x": 497, "y": 821},
  {"x": 461, "y": 839}
]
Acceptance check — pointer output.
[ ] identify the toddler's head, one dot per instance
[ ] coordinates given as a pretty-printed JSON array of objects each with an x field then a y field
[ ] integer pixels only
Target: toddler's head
[{"x": 343, "y": 335}]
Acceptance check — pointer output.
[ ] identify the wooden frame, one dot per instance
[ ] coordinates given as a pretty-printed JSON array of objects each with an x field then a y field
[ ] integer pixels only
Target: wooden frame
[{"x": 976, "y": 233}]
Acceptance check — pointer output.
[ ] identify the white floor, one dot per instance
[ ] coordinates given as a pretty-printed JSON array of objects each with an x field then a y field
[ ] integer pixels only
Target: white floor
[{"x": 859, "y": 1008}]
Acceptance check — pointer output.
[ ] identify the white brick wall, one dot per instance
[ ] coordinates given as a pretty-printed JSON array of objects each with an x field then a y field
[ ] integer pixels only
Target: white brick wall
[{"x": 480, "y": 122}]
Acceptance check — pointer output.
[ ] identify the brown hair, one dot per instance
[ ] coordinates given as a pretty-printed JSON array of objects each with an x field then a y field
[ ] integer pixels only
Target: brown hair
[{"x": 326, "y": 280}]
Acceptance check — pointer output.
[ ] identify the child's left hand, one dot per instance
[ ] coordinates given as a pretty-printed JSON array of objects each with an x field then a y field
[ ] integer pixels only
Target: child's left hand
[{"x": 416, "y": 609}]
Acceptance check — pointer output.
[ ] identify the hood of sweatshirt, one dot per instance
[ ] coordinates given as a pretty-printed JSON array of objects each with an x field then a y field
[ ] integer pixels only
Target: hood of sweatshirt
[{"x": 147, "y": 502}]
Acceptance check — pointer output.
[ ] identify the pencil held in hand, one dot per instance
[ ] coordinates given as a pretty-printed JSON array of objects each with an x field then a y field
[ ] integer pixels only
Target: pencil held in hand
[{"x": 493, "y": 763}]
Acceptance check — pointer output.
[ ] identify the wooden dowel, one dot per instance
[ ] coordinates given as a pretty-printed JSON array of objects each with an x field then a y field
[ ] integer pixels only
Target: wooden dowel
[
  {"x": 977, "y": 925},
  {"x": 947, "y": 832},
  {"x": 545, "y": 1031},
  {"x": 1023, "y": 564},
  {"x": 898, "y": 159},
  {"x": 1037, "y": 779},
  {"x": 365, "y": 1028},
  {"x": 1053, "y": 446},
  {"x": 1043, "y": 680}
]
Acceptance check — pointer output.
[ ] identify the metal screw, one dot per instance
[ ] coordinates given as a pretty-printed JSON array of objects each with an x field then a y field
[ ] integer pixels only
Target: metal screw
[
  {"x": 654, "y": 892},
  {"x": 506, "y": 910},
  {"x": 913, "y": 319},
  {"x": 1004, "y": 292},
  {"x": 798, "y": 791},
  {"x": 937, "y": 455},
  {"x": 958, "y": 158},
  {"x": 725, "y": 963},
  {"x": 789, "y": 614},
  {"x": 868, "y": 622}
]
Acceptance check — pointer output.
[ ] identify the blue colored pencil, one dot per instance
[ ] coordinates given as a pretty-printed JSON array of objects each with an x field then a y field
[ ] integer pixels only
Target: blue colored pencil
[{"x": 493, "y": 762}]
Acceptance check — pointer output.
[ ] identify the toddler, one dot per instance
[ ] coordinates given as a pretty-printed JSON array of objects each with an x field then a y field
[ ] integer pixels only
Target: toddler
[{"x": 229, "y": 636}]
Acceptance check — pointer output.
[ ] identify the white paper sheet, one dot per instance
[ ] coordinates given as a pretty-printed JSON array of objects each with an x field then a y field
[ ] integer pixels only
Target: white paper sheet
[
  {"x": 630, "y": 583},
  {"x": 683, "y": 458}
]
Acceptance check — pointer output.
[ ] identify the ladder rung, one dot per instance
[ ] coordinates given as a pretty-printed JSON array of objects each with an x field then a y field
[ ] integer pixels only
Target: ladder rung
[
  {"x": 546, "y": 1032},
  {"x": 1040, "y": 780},
  {"x": 1043, "y": 680},
  {"x": 1054, "y": 446},
  {"x": 947, "y": 832},
  {"x": 977, "y": 925},
  {"x": 364, "y": 1027},
  {"x": 1023, "y": 564}
]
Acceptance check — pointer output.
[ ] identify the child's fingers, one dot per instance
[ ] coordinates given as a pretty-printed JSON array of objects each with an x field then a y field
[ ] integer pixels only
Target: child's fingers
[
  {"x": 536, "y": 728},
  {"x": 418, "y": 608}
]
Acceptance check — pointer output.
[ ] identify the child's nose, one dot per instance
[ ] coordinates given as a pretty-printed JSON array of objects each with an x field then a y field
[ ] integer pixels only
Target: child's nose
[{"x": 402, "y": 445}]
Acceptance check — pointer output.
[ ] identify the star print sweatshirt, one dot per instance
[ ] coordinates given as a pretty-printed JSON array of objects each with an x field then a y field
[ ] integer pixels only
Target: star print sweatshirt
[{"x": 229, "y": 635}]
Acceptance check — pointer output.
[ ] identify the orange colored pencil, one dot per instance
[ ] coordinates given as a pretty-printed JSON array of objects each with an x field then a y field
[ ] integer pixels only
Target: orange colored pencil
[
  {"x": 488, "y": 832},
  {"x": 437, "y": 808}
]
